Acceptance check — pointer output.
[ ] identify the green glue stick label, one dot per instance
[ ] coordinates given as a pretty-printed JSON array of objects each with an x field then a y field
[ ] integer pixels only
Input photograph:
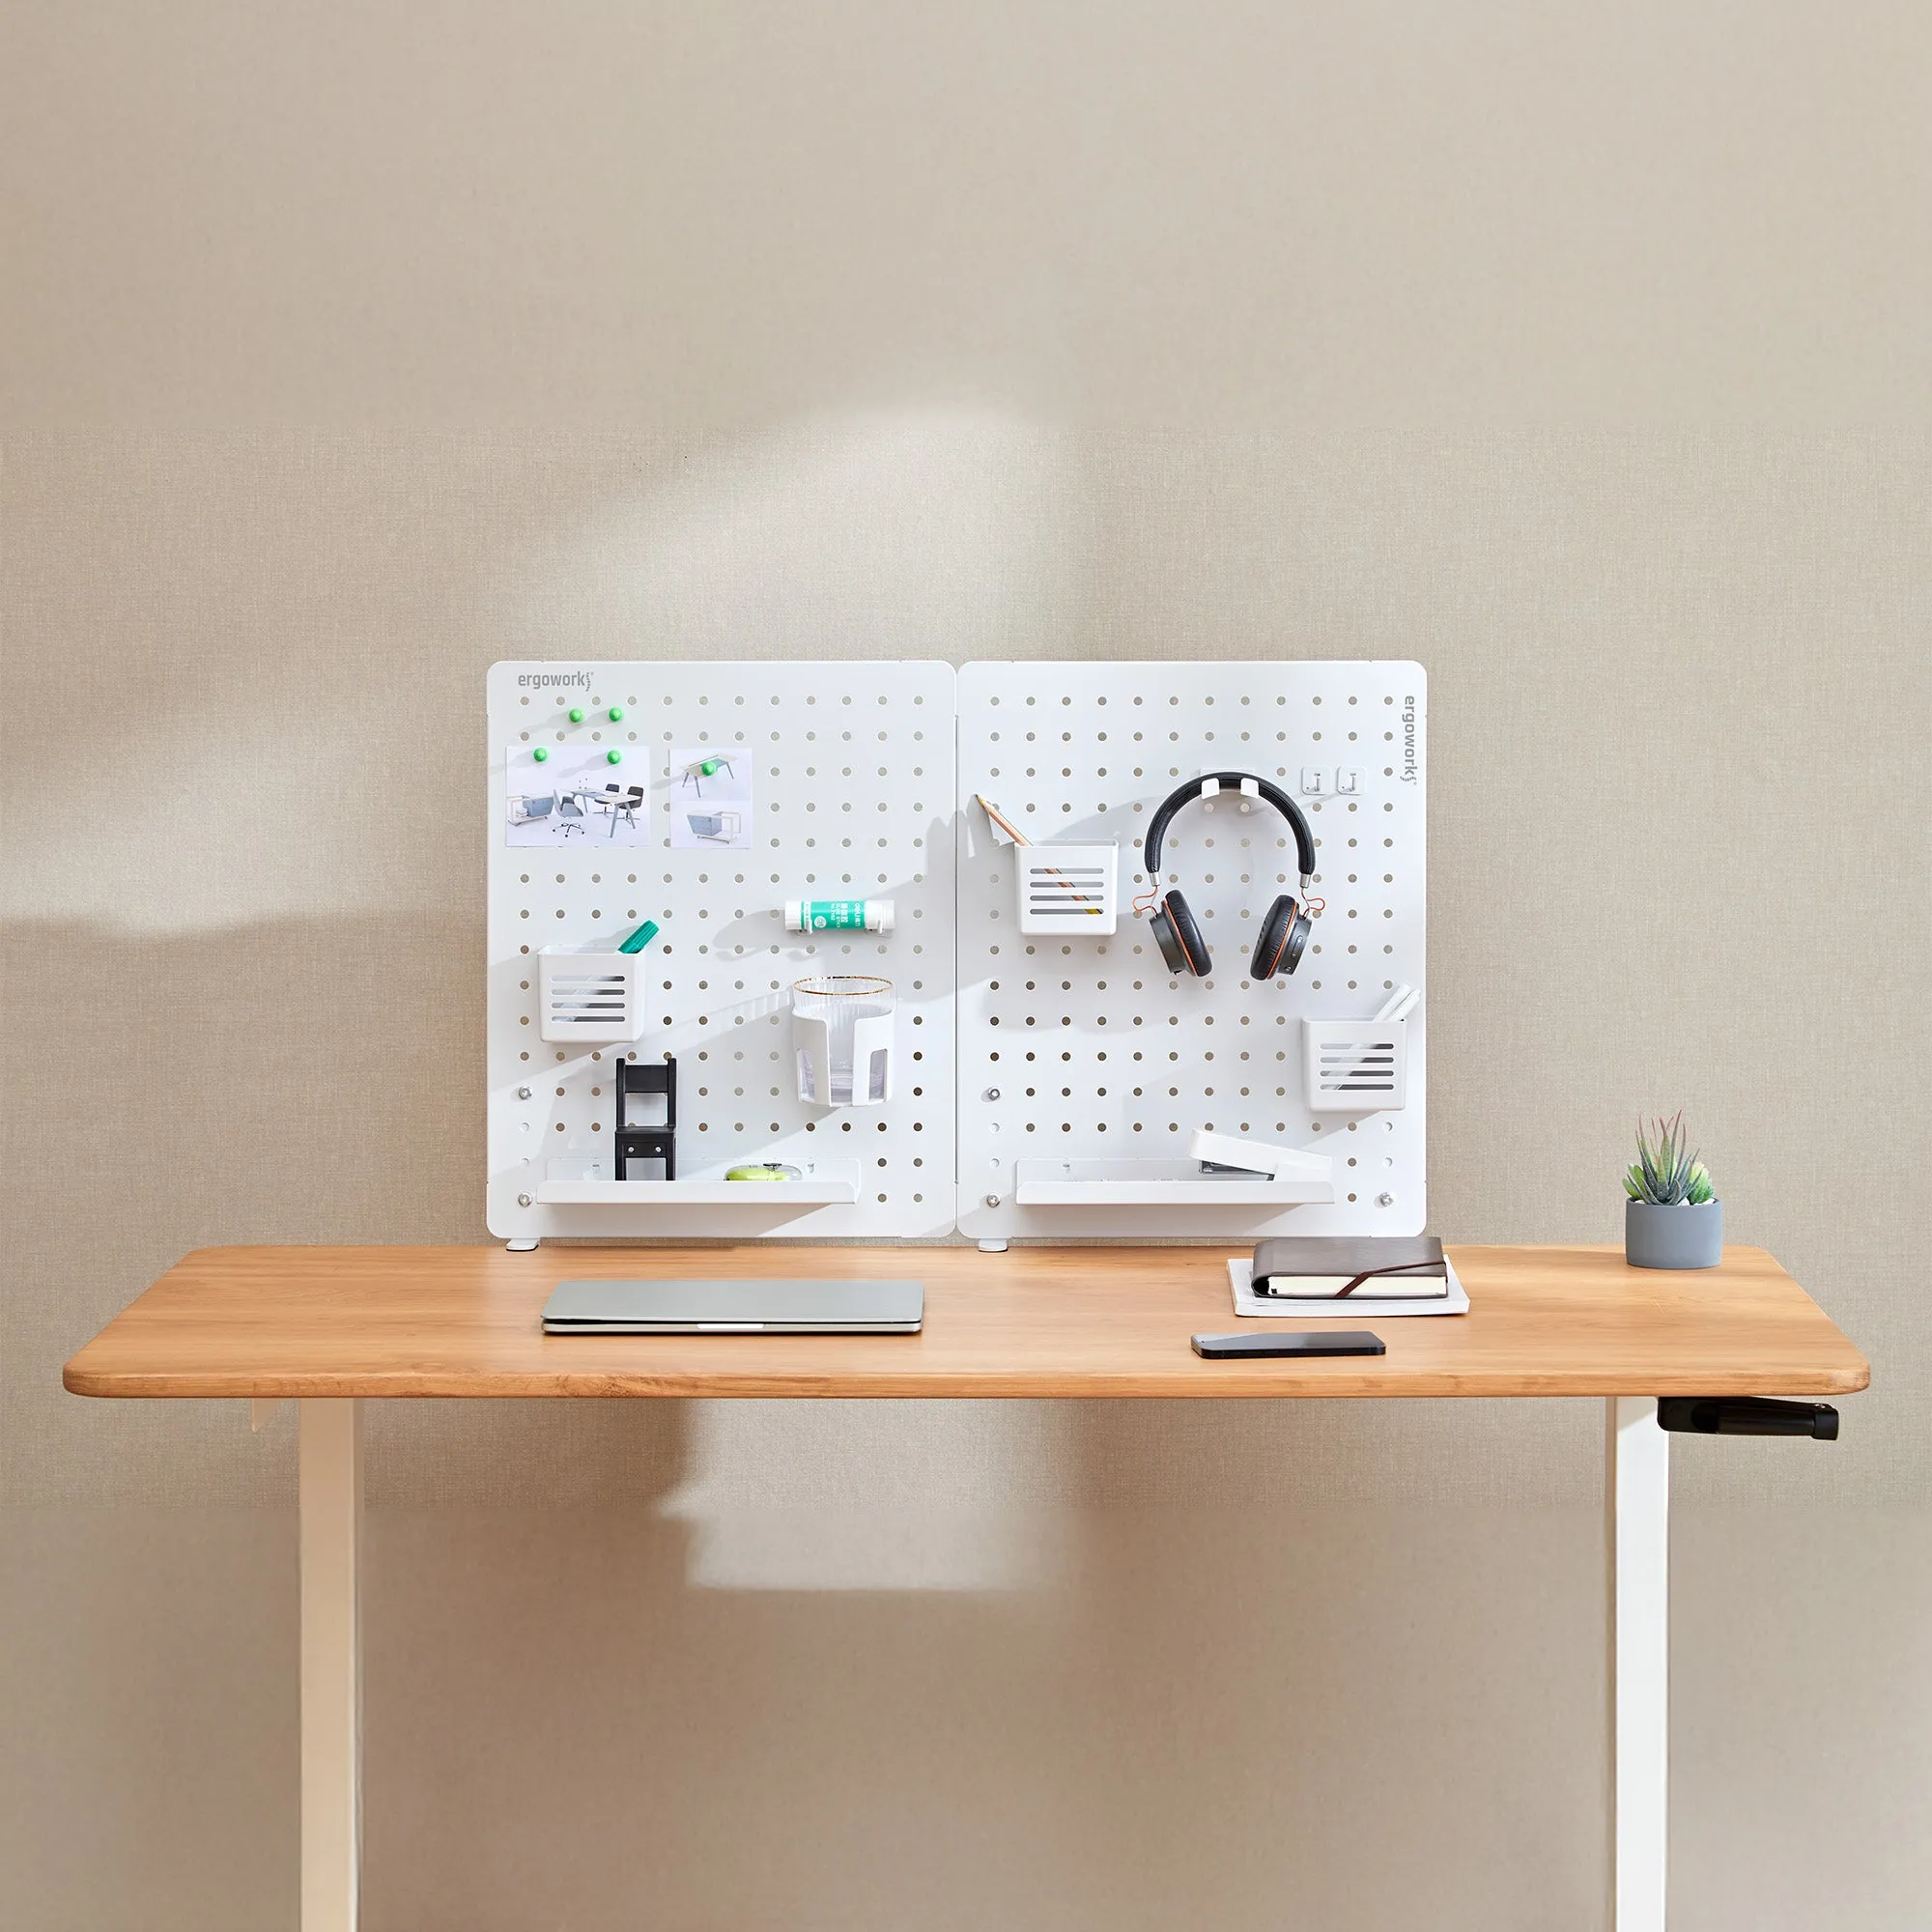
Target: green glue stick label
[{"x": 838, "y": 914}]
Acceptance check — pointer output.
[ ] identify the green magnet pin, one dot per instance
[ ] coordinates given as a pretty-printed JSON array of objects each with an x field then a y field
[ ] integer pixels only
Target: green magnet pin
[
  {"x": 616, "y": 714},
  {"x": 576, "y": 714},
  {"x": 539, "y": 754},
  {"x": 614, "y": 758}
]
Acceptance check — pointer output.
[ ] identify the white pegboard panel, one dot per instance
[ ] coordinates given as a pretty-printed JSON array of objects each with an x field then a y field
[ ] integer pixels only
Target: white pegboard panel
[
  {"x": 1102, "y": 1062},
  {"x": 850, "y": 771}
]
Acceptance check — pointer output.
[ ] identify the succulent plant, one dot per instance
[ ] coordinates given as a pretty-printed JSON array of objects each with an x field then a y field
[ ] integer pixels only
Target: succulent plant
[{"x": 1665, "y": 1171}]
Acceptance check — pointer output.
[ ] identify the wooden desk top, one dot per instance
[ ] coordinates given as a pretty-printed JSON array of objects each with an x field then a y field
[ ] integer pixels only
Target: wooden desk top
[{"x": 1033, "y": 1322}]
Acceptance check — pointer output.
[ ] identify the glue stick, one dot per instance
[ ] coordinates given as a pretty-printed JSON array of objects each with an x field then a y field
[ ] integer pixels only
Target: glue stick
[{"x": 838, "y": 914}]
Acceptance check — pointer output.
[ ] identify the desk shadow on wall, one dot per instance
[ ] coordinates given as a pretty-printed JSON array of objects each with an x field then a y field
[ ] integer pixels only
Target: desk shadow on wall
[{"x": 1219, "y": 1715}]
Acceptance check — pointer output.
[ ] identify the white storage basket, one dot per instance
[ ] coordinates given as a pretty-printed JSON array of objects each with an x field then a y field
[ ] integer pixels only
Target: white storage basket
[
  {"x": 1071, "y": 889},
  {"x": 594, "y": 997},
  {"x": 1355, "y": 1066}
]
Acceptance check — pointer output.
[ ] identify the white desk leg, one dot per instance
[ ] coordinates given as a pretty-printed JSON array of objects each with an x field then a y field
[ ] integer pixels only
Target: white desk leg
[
  {"x": 331, "y": 1663},
  {"x": 1637, "y": 1507}
]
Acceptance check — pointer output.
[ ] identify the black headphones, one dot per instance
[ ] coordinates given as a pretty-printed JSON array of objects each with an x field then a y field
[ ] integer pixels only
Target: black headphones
[{"x": 1284, "y": 934}]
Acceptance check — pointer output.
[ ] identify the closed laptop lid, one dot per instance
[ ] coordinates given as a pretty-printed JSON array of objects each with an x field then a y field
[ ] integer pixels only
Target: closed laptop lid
[{"x": 743, "y": 1303}]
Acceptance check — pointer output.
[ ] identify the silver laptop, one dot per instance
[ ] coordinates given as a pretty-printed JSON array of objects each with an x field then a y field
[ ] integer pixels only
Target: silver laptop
[{"x": 735, "y": 1308}]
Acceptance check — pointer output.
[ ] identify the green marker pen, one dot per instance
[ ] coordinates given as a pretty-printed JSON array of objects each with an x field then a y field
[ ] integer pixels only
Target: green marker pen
[{"x": 641, "y": 938}]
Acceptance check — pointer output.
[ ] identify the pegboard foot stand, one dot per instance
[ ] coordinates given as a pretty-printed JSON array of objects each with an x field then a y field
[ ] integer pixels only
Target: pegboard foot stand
[
  {"x": 520, "y": 1247},
  {"x": 992, "y": 1247}
]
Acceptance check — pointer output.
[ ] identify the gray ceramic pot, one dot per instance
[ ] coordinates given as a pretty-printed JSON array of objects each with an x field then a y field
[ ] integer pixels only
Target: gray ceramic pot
[{"x": 1681, "y": 1237}]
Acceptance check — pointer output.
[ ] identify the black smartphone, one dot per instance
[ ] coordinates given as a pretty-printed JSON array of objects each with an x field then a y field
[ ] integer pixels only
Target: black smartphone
[{"x": 1246, "y": 1348}]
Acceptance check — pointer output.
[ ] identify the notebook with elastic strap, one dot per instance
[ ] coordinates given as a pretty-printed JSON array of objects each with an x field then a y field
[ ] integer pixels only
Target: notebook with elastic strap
[{"x": 1381, "y": 1268}]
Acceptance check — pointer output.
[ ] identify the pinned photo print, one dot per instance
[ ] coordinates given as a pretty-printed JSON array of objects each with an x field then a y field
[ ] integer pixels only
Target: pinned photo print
[
  {"x": 711, "y": 798},
  {"x": 571, "y": 794}
]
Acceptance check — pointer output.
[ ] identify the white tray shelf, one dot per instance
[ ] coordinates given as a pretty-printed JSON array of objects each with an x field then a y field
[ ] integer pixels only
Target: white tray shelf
[
  {"x": 1176, "y": 1183},
  {"x": 835, "y": 1182}
]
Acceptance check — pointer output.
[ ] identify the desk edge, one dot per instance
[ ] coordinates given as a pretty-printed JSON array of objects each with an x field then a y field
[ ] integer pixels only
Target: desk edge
[{"x": 1294, "y": 1382}]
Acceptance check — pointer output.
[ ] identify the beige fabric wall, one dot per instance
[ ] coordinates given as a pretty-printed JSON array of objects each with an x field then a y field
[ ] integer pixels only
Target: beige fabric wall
[{"x": 1581, "y": 359}]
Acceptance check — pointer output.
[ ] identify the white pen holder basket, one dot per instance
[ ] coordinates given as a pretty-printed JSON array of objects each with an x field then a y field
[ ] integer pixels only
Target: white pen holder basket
[
  {"x": 1070, "y": 889},
  {"x": 1355, "y": 1066},
  {"x": 594, "y": 997}
]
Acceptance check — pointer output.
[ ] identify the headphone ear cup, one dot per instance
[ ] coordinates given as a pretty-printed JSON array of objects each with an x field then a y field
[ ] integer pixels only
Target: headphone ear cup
[
  {"x": 1190, "y": 954},
  {"x": 1164, "y": 937},
  {"x": 1282, "y": 940}
]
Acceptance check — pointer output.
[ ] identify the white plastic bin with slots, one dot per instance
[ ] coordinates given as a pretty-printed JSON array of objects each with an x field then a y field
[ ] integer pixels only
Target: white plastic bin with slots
[
  {"x": 592, "y": 997},
  {"x": 1070, "y": 889},
  {"x": 1355, "y": 1066}
]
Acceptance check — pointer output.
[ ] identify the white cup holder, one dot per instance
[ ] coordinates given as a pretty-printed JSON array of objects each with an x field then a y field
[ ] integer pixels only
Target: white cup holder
[{"x": 841, "y": 1030}]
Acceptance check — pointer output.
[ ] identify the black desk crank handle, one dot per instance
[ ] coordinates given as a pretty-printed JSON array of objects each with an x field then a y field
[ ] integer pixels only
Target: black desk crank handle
[{"x": 1746, "y": 1415}]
